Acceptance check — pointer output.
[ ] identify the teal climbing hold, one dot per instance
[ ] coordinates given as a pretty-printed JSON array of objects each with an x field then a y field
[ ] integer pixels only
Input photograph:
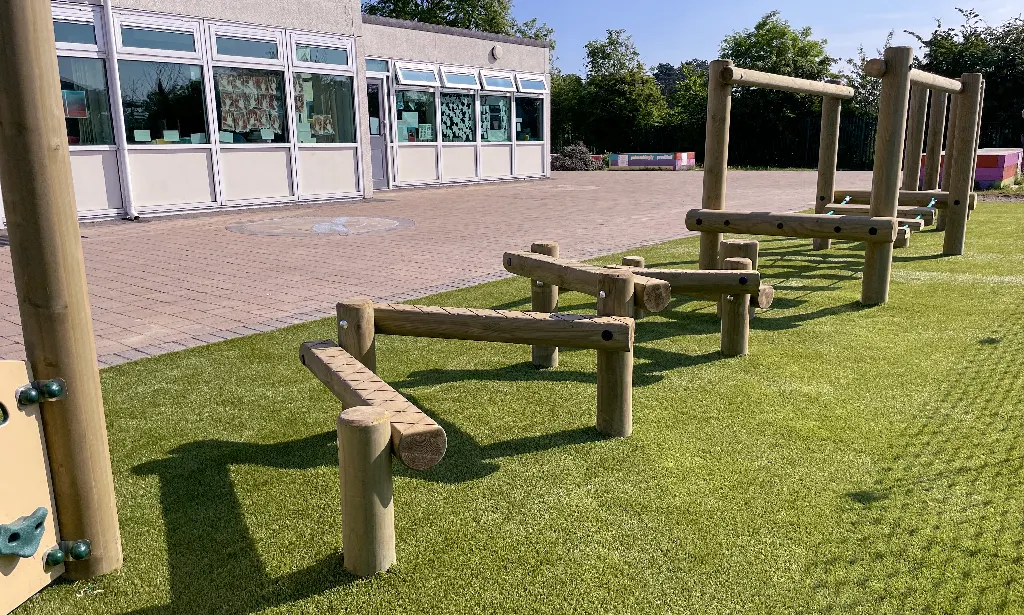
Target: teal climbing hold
[{"x": 22, "y": 536}]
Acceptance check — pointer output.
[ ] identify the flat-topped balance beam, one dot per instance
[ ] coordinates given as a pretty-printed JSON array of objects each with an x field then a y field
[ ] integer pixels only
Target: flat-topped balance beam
[
  {"x": 907, "y": 198},
  {"x": 853, "y": 228},
  {"x": 736, "y": 76},
  {"x": 651, "y": 295},
  {"x": 903, "y": 214}
]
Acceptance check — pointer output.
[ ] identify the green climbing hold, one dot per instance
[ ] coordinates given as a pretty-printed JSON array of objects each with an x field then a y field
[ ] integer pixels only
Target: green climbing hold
[
  {"x": 80, "y": 549},
  {"x": 22, "y": 536},
  {"x": 28, "y": 396},
  {"x": 52, "y": 389},
  {"x": 54, "y": 557}
]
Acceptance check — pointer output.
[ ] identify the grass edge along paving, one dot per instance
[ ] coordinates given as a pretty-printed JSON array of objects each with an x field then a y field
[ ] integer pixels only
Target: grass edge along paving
[{"x": 859, "y": 460}]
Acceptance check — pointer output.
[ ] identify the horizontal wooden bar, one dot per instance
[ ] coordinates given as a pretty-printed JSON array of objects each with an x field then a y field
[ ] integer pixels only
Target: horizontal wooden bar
[
  {"x": 416, "y": 439},
  {"x": 761, "y": 299},
  {"x": 613, "y": 333},
  {"x": 854, "y": 228},
  {"x": 908, "y": 198},
  {"x": 652, "y": 295},
  {"x": 927, "y": 213},
  {"x": 753, "y": 78},
  {"x": 713, "y": 281},
  {"x": 935, "y": 82}
]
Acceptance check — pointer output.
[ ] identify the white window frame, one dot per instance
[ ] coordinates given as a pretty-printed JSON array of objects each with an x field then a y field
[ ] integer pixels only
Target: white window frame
[
  {"x": 376, "y": 73},
  {"x": 320, "y": 40},
  {"x": 163, "y": 24},
  {"x": 531, "y": 77},
  {"x": 512, "y": 116},
  {"x": 484, "y": 74},
  {"x": 400, "y": 66},
  {"x": 437, "y": 116},
  {"x": 459, "y": 70},
  {"x": 82, "y": 15},
  {"x": 264, "y": 35}
]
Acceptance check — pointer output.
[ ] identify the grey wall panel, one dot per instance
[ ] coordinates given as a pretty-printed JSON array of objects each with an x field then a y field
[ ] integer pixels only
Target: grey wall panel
[
  {"x": 330, "y": 16},
  {"x": 407, "y": 44}
]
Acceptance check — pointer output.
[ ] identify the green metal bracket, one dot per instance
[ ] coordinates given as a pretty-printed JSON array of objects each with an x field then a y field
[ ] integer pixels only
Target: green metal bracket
[
  {"x": 41, "y": 390},
  {"x": 22, "y": 537},
  {"x": 76, "y": 550}
]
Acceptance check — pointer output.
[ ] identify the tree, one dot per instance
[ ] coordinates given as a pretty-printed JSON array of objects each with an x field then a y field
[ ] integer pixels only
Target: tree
[
  {"x": 484, "y": 15},
  {"x": 615, "y": 55},
  {"x": 531, "y": 28},
  {"x": 866, "y": 89}
]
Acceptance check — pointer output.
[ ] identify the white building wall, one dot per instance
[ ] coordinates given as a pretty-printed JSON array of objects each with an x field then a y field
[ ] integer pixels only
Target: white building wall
[{"x": 329, "y": 16}]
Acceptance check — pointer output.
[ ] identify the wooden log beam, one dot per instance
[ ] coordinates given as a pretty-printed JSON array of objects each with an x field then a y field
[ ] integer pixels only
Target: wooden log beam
[
  {"x": 504, "y": 326},
  {"x": 416, "y": 439},
  {"x": 752, "y": 78},
  {"x": 853, "y": 228},
  {"x": 904, "y": 213},
  {"x": 915, "y": 137},
  {"x": 707, "y": 281},
  {"x": 651, "y": 295},
  {"x": 936, "y": 132},
  {"x": 878, "y": 67},
  {"x": 907, "y": 198},
  {"x": 761, "y": 300}
]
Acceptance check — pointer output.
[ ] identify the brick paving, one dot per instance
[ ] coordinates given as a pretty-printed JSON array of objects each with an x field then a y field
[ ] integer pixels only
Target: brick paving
[{"x": 170, "y": 283}]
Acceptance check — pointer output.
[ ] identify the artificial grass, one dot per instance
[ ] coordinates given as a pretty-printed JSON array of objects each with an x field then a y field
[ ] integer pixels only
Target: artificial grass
[{"x": 859, "y": 460}]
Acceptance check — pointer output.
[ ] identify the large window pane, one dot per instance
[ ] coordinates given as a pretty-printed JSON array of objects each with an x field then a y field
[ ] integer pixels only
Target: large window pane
[
  {"x": 458, "y": 113},
  {"x": 321, "y": 55},
  {"x": 246, "y": 48},
  {"x": 529, "y": 119},
  {"x": 325, "y": 109},
  {"x": 250, "y": 105},
  {"x": 495, "y": 117},
  {"x": 74, "y": 32},
  {"x": 163, "y": 102},
  {"x": 83, "y": 88},
  {"x": 158, "y": 39},
  {"x": 416, "y": 114}
]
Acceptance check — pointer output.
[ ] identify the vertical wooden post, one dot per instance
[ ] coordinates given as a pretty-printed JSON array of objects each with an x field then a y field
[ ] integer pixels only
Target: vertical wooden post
[
  {"x": 936, "y": 130},
  {"x": 828, "y": 159},
  {"x": 915, "y": 137},
  {"x": 736, "y": 314},
  {"x": 947, "y": 165},
  {"x": 737, "y": 248},
  {"x": 635, "y": 261},
  {"x": 355, "y": 331},
  {"x": 885, "y": 179},
  {"x": 961, "y": 175},
  {"x": 902, "y": 237},
  {"x": 716, "y": 156},
  {"x": 615, "y": 369},
  {"x": 367, "y": 505},
  {"x": 49, "y": 276},
  {"x": 977, "y": 141},
  {"x": 544, "y": 298}
]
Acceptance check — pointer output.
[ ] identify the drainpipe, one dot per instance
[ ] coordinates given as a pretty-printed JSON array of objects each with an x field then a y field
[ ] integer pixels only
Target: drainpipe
[{"x": 117, "y": 112}]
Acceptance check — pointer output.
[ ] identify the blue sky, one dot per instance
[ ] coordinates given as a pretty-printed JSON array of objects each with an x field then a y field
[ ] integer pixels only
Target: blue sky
[{"x": 676, "y": 31}]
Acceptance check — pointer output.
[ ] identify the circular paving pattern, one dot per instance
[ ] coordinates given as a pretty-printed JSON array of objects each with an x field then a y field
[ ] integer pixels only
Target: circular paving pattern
[
  {"x": 569, "y": 188},
  {"x": 307, "y": 226}
]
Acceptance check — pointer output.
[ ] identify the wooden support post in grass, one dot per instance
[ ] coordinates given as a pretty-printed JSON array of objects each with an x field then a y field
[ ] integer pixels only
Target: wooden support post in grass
[
  {"x": 544, "y": 298},
  {"x": 915, "y": 136},
  {"x": 716, "y": 156},
  {"x": 961, "y": 177},
  {"x": 636, "y": 262},
  {"x": 49, "y": 277},
  {"x": 355, "y": 331},
  {"x": 947, "y": 166},
  {"x": 367, "y": 505},
  {"x": 735, "y": 315},
  {"x": 902, "y": 237},
  {"x": 936, "y": 130},
  {"x": 741, "y": 248},
  {"x": 615, "y": 368},
  {"x": 828, "y": 159},
  {"x": 885, "y": 178},
  {"x": 977, "y": 142}
]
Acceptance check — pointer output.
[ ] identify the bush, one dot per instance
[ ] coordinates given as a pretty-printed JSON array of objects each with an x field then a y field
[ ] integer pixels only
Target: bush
[{"x": 575, "y": 157}]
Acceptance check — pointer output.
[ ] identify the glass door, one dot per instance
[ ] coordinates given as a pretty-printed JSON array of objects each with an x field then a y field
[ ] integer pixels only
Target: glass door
[{"x": 378, "y": 132}]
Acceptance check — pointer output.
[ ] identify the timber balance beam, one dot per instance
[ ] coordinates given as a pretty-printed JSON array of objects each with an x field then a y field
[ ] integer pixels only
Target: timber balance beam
[
  {"x": 923, "y": 215},
  {"x": 908, "y": 198},
  {"x": 854, "y": 228}
]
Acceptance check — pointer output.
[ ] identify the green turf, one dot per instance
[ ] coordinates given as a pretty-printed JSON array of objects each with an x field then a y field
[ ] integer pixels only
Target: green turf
[{"x": 859, "y": 460}]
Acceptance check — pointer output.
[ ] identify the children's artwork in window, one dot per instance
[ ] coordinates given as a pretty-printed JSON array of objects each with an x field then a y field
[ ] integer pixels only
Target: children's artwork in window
[
  {"x": 457, "y": 113},
  {"x": 495, "y": 117},
  {"x": 250, "y": 105}
]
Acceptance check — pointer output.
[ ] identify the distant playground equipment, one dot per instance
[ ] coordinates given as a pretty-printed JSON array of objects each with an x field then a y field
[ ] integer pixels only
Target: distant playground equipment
[
  {"x": 996, "y": 167},
  {"x": 882, "y": 224},
  {"x": 674, "y": 161}
]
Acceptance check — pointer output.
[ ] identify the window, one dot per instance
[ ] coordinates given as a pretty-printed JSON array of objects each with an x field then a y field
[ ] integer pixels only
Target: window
[
  {"x": 324, "y": 105},
  {"x": 457, "y": 118},
  {"x": 498, "y": 81},
  {"x": 83, "y": 89},
  {"x": 246, "y": 48},
  {"x": 460, "y": 79},
  {"x": 416, "y": 114},
  {"x": 74, "y": 32},
  {"x": 250, "y": 105},
  {"x": 373, "y": 108},
  {"x": 163, "y": 102},
  {"x": 495, "y": 117},
  {"x": 529, "y": 119},
  {"x": 416, "y": 74},
  {"x": 376, "y": 66},
  {"x": 321, "y": 55},
  {"x": 158, "y": 39},
  {"x": 532, "y": 85}
]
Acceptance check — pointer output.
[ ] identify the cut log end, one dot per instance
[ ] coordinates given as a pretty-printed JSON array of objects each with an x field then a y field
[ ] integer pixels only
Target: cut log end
[
  {"x": 656, "y": 295},
  {"x": 764, "y": 297},
  {"x": 421, "y": 448}
]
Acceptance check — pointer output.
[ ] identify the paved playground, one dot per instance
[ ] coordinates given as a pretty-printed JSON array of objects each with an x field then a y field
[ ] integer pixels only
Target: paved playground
[{"x": 170, "y": 283}]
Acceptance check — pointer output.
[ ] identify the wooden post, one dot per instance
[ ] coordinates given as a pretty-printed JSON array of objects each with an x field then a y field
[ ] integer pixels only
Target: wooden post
[
  {"x": 544, "y": 299},
  {"x": 915, "y": 136},
  {"x": 735, "y": 315},
  {"x": 961, "y": 176},
  {"x": 356, "y": 331},
  {"x": 367, "y": 505},
  {"x": 977, "y": 142},
  {"x": 936, "y": 130},
  {"x": 49, "y": 276},
  {"x": 947, "y": 165},
  {"x": 738, "y": 248},
  {"x": 615, "y": 369},
  {"x": 716, "y": 156},
  {"x": 638, "y": 262},
  {"x": 902, "y": 237},
  {"x": 885, "y": 179},
  {"x": 828, "y": 159}
]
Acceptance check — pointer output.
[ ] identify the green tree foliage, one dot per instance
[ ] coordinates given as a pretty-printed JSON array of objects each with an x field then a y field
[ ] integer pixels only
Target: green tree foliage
[
  {"x": 866, "y": 89},
  {"x": 485, "y": 15}
]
